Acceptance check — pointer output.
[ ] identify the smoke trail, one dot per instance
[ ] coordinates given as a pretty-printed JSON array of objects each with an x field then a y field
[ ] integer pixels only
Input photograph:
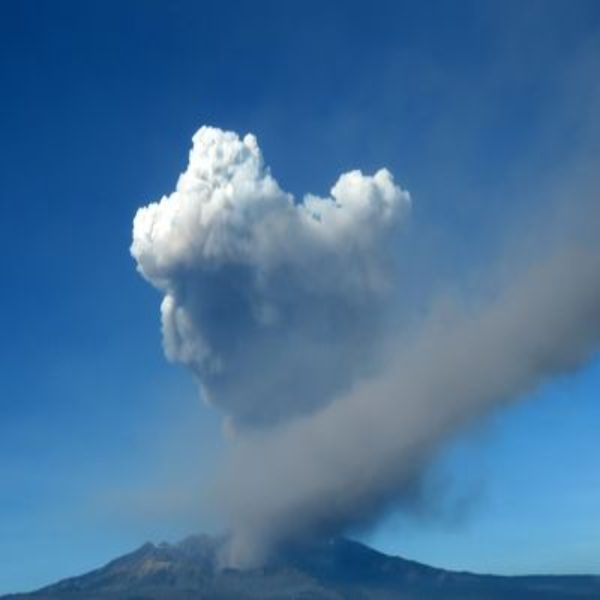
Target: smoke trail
[{"x": 344, "y": 465}]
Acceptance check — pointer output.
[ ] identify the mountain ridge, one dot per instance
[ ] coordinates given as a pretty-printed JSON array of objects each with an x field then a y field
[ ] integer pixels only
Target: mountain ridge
[{"x": 333, "y": 570}]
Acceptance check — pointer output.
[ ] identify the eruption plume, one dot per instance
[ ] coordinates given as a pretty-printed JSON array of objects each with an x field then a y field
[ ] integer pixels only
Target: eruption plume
[{"x": 281, "y": 308}]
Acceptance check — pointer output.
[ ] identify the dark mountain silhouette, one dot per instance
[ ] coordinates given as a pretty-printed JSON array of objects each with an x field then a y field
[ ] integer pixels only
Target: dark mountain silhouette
[{"x": 338, "y": 569}]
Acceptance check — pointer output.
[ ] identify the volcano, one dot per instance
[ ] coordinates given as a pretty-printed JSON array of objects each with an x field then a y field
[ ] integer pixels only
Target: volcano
[{"x": 333, "y": 570}]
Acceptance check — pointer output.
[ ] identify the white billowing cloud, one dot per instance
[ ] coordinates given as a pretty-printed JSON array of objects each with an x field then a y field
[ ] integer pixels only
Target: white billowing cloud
[{"x": 275, "y": 304}]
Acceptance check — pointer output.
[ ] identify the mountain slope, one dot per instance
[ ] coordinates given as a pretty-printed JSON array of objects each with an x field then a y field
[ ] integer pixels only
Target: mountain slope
[{"x": 338, "y": 569}]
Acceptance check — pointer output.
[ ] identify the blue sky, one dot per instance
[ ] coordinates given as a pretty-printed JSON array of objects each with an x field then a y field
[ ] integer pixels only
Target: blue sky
[{"x": 472, "y": 105}]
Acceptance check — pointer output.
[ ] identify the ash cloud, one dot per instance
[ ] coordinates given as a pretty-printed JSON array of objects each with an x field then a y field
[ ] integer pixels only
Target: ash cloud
[{"x": 282, "y": 309}]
